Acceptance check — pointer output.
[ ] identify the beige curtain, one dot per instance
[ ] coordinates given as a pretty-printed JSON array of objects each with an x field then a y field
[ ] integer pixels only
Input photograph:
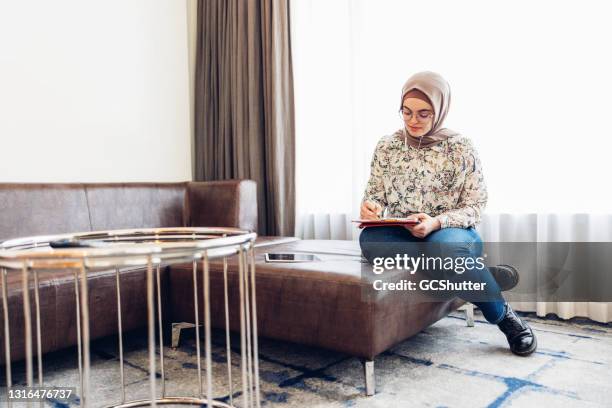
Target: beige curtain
[{"x": 244, "y": 114}]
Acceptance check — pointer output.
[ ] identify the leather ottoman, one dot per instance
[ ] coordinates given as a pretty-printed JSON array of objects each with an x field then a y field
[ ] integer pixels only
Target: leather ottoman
[{"x": 324, "y": 303}]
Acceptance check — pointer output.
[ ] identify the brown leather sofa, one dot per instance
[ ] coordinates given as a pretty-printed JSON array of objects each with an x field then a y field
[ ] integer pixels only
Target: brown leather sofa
[
  {"x": 41, "y": 209},
  {"x": 321, "y": 304}
]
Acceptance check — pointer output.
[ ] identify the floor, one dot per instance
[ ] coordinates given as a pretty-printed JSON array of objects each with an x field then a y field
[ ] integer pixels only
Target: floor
[{"x": 448, "y": 365}]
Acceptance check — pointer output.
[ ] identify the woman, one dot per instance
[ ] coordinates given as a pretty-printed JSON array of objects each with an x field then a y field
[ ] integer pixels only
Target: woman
[{"x": 434, "y": 175}]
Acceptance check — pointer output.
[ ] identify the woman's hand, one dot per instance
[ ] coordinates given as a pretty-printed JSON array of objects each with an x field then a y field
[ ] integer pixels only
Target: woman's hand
[
  {"x": 370, "y": 211},
  {"x": 425, "y": 227}
]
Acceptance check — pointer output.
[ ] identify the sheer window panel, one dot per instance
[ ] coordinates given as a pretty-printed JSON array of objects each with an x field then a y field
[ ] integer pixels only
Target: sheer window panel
[{"x": 529, "y": 82}]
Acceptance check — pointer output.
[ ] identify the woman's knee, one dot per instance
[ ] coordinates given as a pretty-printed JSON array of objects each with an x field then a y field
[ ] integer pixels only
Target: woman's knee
[
  {"x": 454, "y": 235},
  {"x": 454, "y": 242}
]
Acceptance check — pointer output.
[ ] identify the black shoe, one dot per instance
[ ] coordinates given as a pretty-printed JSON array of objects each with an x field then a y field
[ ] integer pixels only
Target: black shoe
[
  {"x": 506, "y": 276},
  {"x": 520, "y": 337}
]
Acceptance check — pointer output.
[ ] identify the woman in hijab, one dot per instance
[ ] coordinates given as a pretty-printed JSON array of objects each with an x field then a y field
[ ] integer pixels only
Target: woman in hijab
[{"x": 433, "y": 174}]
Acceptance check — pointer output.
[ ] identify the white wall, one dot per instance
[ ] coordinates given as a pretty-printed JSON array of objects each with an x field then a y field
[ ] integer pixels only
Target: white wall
[{"x": 94, "y": 91}]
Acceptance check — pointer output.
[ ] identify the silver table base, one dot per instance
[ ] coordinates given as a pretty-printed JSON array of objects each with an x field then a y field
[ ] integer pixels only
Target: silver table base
[{"x": 150, "y": 248}]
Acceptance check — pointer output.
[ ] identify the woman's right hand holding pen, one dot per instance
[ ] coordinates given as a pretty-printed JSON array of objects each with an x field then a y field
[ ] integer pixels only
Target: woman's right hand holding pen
[{"x": 370, "y": 211}]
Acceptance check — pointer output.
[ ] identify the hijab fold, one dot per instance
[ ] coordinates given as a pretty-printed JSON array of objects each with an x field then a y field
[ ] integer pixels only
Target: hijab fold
[{"x": 437, "y": 90}]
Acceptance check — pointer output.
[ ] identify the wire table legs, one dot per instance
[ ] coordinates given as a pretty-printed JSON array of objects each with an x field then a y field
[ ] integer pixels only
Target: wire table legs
[{"x": 249, "y": 397}]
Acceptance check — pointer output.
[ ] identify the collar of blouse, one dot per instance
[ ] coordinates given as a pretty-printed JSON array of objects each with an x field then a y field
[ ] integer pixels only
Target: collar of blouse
[{"x": 398, "y": 143}]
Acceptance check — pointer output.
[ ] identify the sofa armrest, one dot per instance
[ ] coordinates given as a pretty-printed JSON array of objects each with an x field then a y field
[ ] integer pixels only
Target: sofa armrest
[{"x": 226, "y": 203}]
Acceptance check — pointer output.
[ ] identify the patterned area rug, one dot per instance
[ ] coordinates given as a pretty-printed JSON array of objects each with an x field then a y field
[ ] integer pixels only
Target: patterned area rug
[{"x": 447, "y": 365}]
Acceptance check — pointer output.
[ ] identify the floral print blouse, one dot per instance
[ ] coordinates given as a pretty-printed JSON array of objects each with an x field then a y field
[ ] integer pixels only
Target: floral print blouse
[{"x": 444, "y": 180}]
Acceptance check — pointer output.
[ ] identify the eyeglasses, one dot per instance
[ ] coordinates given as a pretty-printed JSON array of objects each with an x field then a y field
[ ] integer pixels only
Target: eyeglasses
[{"x": 421, "y": 116}]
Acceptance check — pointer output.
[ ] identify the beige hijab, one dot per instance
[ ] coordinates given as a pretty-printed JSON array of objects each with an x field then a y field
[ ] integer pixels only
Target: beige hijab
[{"x": 438, "y": 91}]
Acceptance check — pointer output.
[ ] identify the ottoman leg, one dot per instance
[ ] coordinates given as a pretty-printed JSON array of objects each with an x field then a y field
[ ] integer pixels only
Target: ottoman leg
[
  {"x": 368, "y": 368},
  {"x": 469, "y": 314},
  {"x": 176, "y": 332}
]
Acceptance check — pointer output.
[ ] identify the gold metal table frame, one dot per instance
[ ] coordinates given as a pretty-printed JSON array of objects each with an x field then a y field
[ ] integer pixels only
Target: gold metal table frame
[{"x": 150, "y": 248}]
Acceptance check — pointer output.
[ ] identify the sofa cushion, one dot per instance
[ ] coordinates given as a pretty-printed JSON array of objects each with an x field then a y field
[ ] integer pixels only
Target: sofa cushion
[
  {"x": 224, "y": 203},
  {"x": 135, "y": 205},
  {"x": 42, "y": 209}
]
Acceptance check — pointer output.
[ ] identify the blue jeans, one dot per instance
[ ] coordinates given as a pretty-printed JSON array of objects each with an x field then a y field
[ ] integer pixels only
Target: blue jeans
[{"x": 446, "y": 242}]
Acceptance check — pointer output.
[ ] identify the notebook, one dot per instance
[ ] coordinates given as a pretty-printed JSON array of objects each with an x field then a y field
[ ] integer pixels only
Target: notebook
[{"x": 387, "y": 222}]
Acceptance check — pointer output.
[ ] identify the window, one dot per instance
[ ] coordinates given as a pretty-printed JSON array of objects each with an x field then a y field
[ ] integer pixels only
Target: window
[{"x": 530, "y": 83}]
